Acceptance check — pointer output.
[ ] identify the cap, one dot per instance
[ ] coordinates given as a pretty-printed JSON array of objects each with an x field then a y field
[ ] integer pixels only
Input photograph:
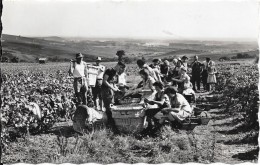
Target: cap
[
  {"x": 98, "y": 59},
  {"x": 79, "y": 55}
]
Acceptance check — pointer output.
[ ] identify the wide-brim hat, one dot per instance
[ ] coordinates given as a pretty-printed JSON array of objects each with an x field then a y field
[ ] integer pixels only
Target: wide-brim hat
[{"x": 79, "y": 55}]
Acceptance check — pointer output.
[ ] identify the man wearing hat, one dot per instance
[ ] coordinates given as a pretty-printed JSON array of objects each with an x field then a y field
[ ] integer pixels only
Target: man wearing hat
[
  {"x": 196, "y": 71},
  {"x": 78, "y": 69},
  {"x": 96, "y": 91}
]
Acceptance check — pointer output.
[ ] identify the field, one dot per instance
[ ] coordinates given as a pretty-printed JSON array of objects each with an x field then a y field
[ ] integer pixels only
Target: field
[{"x": 230, "y": 137}]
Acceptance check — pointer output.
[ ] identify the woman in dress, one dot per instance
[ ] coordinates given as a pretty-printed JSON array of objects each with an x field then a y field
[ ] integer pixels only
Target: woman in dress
[
  {"x": 180, "y": 108},
  {"x": 211, "y": 80}
]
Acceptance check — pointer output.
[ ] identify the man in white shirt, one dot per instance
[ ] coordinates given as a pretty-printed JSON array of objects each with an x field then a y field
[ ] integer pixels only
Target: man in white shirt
[
  {"x": 78, "y": 69},
  {"x": 96, "y": 91}
]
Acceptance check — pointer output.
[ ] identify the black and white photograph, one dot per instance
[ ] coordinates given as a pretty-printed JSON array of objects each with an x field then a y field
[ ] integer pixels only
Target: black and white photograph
[{"x": 129, "y": 81}]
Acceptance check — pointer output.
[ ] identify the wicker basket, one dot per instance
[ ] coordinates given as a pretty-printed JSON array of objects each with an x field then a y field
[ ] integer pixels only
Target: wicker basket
[
  {"x": 204, "y": 118},
  {"x": 130, "y": 125},
  {"x": 92, "y": 75},
  {"x": 129, "y": 118}
]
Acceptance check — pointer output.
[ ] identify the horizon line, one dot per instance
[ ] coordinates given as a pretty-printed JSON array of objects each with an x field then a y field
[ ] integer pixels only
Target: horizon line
[{"x": 145, "y": 38}]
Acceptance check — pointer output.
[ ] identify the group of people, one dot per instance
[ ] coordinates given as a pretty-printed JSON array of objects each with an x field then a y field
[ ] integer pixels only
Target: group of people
[{"x": 171, "y": 86}]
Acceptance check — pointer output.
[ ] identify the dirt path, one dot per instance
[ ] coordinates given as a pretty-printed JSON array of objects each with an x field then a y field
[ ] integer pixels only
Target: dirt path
[{"x": 225, "y": 143}]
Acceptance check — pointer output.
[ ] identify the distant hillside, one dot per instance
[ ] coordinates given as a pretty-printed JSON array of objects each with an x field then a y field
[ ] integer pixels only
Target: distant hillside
[
  {"x": 29, "y": 49},
  {"x": 63, "y": 49}
]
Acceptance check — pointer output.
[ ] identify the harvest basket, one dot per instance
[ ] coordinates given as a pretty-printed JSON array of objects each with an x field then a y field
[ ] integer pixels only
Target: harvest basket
[
  {"x": 92, "y": 74},
  {"x": 129, "y": 118},
  {"x": 204, "y": 118}
]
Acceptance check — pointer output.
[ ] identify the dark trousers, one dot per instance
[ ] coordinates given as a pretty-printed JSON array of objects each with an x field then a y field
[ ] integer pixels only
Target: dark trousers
[
  {"x": 80, "y": 91},
  {"x": 96, "y": 93},
  {"x": 108, "y": 98},
  {"x": 204, "y": 80},
  {"x": 150, "y": 116},
  {"x": 196, "y": 82}
]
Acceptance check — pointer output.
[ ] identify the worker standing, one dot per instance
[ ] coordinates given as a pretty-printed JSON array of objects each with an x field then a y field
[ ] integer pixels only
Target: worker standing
[
  {"x": 96, "y": 91},
  {"x": 78, "y": 69}
]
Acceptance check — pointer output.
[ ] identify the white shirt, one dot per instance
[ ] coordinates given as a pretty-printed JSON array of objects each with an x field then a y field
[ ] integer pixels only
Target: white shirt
[
  {"x": 122, "y": 79},
  {"x": 101, "y": 71},
  {"x": 79, "y": 70},
  {"x": 151, "y": 72},
  {"x": 180, "y": 101}
]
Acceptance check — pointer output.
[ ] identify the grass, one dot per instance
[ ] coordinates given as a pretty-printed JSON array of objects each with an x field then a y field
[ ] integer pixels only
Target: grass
[{"x": 103, "y": 147}]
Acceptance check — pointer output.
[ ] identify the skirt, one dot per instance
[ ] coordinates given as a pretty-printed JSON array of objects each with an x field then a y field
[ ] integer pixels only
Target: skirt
[{"x": 211, "y": 78}]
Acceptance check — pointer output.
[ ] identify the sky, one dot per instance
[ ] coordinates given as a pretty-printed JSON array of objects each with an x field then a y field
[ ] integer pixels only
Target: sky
[{"x": 170, "y": 19}]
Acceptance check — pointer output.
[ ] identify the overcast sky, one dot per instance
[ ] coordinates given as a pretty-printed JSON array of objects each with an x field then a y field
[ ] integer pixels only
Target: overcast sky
[{"x": 176, "y": 19}]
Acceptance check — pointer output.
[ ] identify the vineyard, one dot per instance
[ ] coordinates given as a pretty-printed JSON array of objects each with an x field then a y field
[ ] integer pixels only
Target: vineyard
[{"x": 230, "y": 137}]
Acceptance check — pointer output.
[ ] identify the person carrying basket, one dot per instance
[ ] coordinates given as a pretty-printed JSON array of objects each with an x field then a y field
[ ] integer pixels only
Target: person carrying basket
[{"x": 78, "y": 69}]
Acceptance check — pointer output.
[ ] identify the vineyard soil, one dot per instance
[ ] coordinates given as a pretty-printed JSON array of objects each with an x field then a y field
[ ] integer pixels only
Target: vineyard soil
[{"x": 231, "y": 136}]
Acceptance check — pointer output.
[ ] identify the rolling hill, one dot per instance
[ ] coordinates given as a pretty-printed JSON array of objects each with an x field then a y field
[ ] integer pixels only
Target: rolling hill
[{"x": 28, "y": 49}]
